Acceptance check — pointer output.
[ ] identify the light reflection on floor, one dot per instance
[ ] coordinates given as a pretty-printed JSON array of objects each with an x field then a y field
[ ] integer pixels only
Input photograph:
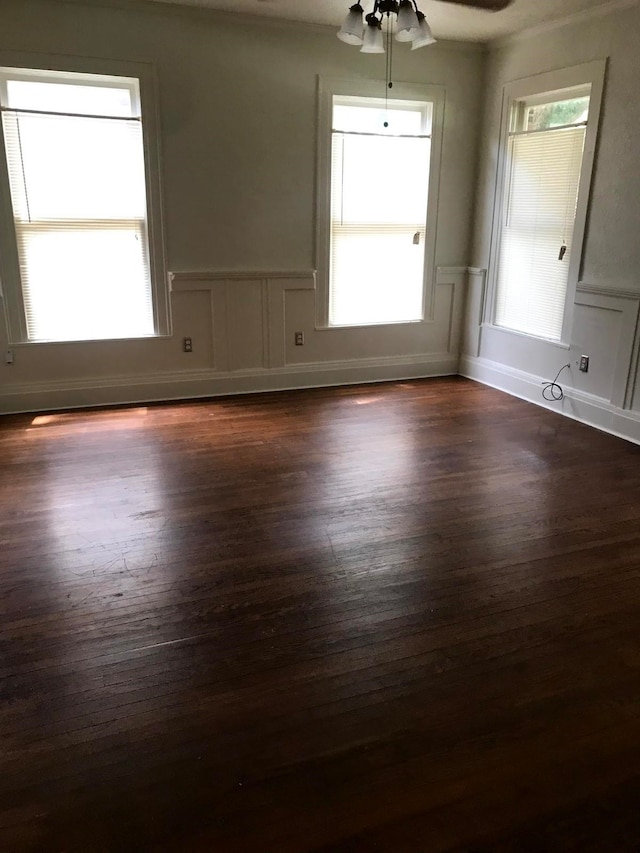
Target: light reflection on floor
[{"x": 78, "y": 423}]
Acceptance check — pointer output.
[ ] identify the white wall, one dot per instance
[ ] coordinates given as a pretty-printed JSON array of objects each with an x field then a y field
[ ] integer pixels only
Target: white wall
[
  {"x": 608, "y": 293},
  {"x": 238, "y": 117}
]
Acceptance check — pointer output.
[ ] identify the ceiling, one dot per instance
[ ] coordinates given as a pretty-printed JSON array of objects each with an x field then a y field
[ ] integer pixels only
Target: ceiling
[{"x": 448, "y": 21}]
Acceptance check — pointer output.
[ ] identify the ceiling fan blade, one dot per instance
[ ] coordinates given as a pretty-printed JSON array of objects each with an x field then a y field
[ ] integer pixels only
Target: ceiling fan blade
[{"x": 489, "y": 5}]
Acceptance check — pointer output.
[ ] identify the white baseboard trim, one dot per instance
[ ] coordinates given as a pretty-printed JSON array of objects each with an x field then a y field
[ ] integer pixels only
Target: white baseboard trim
[
  {"x": 123, "y": 390},
  {"x": 586, "y": 408}
]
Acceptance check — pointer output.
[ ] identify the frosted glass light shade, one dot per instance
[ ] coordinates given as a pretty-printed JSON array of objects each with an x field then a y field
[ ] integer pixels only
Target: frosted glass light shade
[
  {"x": 352, "y": 30},
  {"x": 408, "y": 24},
  {"x": 373, "y": 40},
  {"x": 425, "y": 36}
]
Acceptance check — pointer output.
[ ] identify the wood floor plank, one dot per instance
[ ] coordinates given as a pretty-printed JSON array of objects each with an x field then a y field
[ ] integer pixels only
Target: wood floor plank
[{"x": 400, "y": 617}]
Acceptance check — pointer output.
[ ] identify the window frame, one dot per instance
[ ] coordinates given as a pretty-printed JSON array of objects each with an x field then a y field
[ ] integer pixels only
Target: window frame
[
  {"x": 544, "y": 88},
  {"x": 28, "y": 66},
  {"x": 359, "y": 88}
]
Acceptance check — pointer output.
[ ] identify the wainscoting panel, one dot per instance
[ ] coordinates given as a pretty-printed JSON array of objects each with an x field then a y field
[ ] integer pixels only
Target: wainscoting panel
[
  {"x": 242, "y": 326},
  {"x": 432, "y": 342},
  {"x": 473, "y": 311},
  {"x": 247, "y": 327},
  {"x": 605, "y": 328},
  {"x": 250, "y": 313},
  {"x": 451, "y": 283}
]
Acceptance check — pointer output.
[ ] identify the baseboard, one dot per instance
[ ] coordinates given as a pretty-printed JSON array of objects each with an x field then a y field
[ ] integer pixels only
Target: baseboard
[
  {"x": 118, "y": 390},
  {"x": 586, "y": 408}
]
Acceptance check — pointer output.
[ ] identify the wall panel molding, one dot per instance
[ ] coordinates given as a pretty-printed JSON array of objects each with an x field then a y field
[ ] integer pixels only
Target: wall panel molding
[
  {"x": 605, "y": 327},
  {"x": 238, "y": 299},
  {"x": 626, "y": 307},
  {"x": 474, "y": 311},
  {"x": 603, "y": 290},
  {"x": 577, "y": 405},
  {"x": 456, "y": 278},
  {"x": 247, "y": 344},
  {"x": 208, "y": 279}
]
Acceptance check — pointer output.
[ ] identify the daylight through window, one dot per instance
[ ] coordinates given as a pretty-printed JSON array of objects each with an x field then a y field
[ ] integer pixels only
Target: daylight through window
[
  {"x": 75, "y": 166},
  {"x": 379, "y": 194},
  {"x": 544, "y": 161}
]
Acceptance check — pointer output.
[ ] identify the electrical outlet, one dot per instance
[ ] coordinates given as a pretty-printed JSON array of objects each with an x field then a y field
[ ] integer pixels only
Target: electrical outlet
[
  {"x": 299, "y": 339},
  {"x": 584, "y": 363},
  {"x": 8, "y": 357},
  {"x": 187, "y": 345}
]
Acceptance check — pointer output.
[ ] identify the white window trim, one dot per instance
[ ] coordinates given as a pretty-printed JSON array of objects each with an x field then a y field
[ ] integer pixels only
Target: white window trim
[
  {"x": 327, "y": 88},
  {"x": 589, "y": 73},
  {"x": 10, "y": 283}
]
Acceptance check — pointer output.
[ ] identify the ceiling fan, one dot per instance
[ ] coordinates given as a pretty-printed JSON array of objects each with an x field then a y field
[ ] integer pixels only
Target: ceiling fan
[{"x": 410, "y": 24}]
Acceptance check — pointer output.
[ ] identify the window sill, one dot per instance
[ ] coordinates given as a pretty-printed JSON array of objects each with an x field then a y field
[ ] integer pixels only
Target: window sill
[
  {"x": 560, "y": 344},
  {"x": 386, "y": 325},
  {"x": 76, "y": 342}
]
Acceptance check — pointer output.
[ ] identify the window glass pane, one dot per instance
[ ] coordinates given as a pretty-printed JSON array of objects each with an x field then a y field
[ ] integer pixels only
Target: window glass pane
[
  {"x": 557, "y": 114},
  {"x": 84, "y": 283},
  {"x": 64, "y": 167},
  {"x": 365, "y": 191},
  {"x": 371, "y": 118},
  {"x": 377, "y": 275},
  {"x": 68, "y": 98},
  {"x": 539, "y": 213},
  {"x": 377, "y": 230},
  {"x": 79, "y": 202}
]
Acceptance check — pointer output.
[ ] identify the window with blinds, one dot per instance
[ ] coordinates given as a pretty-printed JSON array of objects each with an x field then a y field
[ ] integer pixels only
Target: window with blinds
[
  {"x": 544, "y": 161},
  {"x": 76, "y": 172},
  {"x": 379, "y": 194}
]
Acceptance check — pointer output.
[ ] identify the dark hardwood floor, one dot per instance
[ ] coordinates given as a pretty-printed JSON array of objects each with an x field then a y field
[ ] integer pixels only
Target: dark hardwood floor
[{"x": 400, "y": 618}]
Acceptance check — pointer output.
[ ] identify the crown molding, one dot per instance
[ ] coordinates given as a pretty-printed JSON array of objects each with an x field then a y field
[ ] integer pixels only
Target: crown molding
[{"x": 586, "y": 15}]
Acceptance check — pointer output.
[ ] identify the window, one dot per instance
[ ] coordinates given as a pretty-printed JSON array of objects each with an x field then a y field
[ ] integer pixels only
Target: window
[
  {"x": 78, "y": 262},
  {"x": 376, "y": 241},
  {"x": 547, "y": 170}
]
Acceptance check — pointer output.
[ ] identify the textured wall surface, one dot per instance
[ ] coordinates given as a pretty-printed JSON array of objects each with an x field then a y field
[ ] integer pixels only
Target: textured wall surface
[
  {"x": 612, "y": 250},
  {"x": 608, "y": 290},
  {"x": 237, "y": 102}
]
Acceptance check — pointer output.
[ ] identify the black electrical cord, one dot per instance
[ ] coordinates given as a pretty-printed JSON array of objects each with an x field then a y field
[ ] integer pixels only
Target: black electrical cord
[{"x": 552, "y": 392}]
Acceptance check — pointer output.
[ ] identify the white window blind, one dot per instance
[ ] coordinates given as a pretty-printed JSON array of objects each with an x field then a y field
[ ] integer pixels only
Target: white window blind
[
  {"x": 76, "y": 171},
  {"x": 379, "y": 190},
  {"x": 541, "y": 191}
]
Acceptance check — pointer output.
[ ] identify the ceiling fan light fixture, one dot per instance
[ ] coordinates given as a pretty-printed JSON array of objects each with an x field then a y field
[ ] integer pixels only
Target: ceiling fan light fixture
[
  {"x": 373, "y": 40},
  {"x": 408, "y": 23},
  {"x": 352, "y": 29},
  {"x": 425, "y": 36}
]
